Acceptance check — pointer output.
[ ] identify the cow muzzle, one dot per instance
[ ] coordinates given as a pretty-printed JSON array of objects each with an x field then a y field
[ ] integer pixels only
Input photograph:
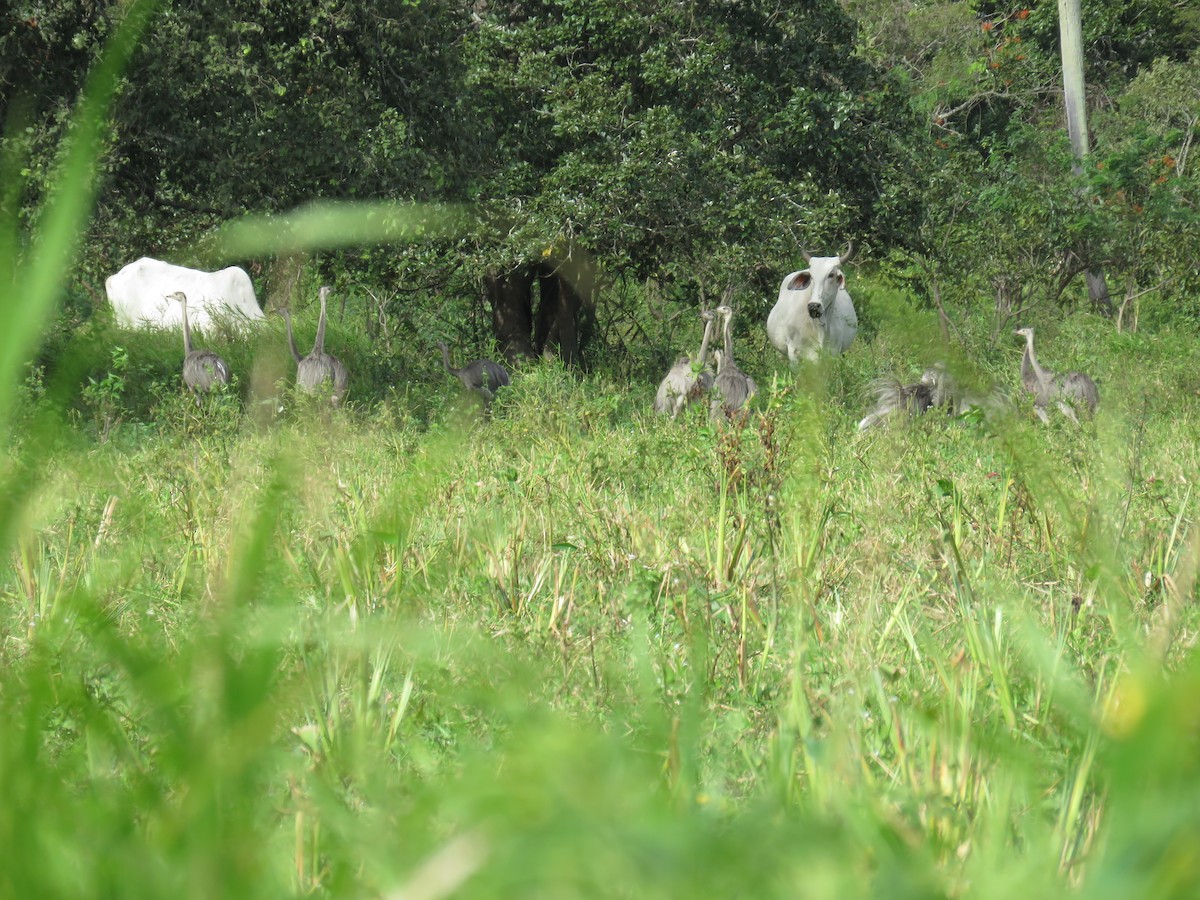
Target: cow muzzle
[{"x": 814, "y": 310}]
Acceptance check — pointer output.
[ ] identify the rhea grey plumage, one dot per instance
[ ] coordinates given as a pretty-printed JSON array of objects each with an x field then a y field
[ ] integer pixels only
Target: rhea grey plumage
[
  {"x": 892, "y": 396},
  {"x": 203, "y": 370},
  {"x": 732, "y": 388},
  {"x": 687, "y": 380},
  {"x": 318, "y": 368},
  {"x": 481, "y": 376},
  {"x": 1067, "y": 391},
  {"x": 937, "y": 389}
]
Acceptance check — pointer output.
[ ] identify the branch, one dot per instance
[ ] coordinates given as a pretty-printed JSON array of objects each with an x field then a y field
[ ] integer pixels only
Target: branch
[
  {"x": 979, "y": 98},
  {"x": 1151, "y": 289}
]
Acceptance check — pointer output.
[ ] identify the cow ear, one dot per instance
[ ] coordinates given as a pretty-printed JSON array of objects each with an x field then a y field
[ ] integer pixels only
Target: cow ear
[
  {"x": 841, "y": 279},
  {"x": 800, "y": 282}
]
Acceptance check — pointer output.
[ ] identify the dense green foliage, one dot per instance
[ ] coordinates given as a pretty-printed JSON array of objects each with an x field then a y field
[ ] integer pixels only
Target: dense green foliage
[
  {"x": 693, "y": 144},
  {"x": 251, "y": 646}
]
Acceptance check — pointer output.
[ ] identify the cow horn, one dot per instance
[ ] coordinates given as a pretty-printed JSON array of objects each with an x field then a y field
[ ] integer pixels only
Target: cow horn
[
  {"x": 807, "y": 256},
  {"x": 849, "y": 252}
]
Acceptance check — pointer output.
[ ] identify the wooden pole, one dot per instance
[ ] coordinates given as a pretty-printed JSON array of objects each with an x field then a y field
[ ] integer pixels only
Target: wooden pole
[
  {"x": 1070, "y": 39},
  {"x": 1070, "y": 28}
]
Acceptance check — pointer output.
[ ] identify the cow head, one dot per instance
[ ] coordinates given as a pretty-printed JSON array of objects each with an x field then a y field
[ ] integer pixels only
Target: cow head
[{"x": 824, "y": 275}]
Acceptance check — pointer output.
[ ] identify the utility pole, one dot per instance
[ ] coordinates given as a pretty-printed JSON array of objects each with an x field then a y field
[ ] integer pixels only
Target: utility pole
[{"x": 1070, "y": 39}]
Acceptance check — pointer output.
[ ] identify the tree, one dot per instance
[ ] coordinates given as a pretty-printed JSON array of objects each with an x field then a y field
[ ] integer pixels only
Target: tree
[
  {"x": 697, "y": 143},
  {"x": 235, "y": 106},
  {"x": 987, "y": 78},
  {"x": 1145, "y": 180}
]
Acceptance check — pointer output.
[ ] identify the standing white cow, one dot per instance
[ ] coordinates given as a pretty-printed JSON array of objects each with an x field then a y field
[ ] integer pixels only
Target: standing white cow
[
  {"x": 814, "y": 310},
  {"x": 140, "y": 295}
]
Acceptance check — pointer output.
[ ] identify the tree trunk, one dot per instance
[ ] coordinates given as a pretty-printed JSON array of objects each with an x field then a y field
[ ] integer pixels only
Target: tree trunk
[
  {"x": 1070, "y": 28},
  {"x": 565, "y": 310},
  {"x": 509, "y": 295},
  {"x": 546, "y": 326}
]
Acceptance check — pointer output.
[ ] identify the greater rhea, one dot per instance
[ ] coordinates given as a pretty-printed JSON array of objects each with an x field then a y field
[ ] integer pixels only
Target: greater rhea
[
  {"x": 1067, "y": 391},
  {"x": 732, "y": 388},
  {"x": 203, "y": 370},
  {"x": 687, "y": 380},
  {"x": 318, "y": 369},
  {"x": 937, "y": 389},
  {"x": 483, "y": 377},
  {"x": 892, "y": 396}
]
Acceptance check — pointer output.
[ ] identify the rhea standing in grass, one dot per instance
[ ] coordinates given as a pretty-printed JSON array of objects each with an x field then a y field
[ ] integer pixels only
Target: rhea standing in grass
[
  {"x": 203, "y": 370},
  {"x": 689, "y": 379},
  {"x": 732, "y": 388},
  {"x": 482, "y": 377},
  {"x": 318, "y": 368},
  {"x": 1067, "y": 391}
]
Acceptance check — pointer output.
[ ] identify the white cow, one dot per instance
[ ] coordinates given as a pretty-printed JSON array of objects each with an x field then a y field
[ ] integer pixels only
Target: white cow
[
  {"x": 814, "y": 310},
  {"x": 139, "y": 295}
]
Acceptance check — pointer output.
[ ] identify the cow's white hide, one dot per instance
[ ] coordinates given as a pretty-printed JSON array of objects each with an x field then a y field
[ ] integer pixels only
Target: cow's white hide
[
  {"x": 138, "y": 295},
  {"x": 814, "y": 312}
]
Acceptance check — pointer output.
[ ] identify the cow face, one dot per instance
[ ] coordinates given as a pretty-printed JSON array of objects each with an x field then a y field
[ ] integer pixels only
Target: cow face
[
  {"x": 824, "y": 277},
  {"x": 827, "y": 279}
]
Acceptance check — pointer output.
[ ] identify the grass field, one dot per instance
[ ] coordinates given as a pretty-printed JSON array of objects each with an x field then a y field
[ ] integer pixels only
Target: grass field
[{"x": 574, "y": 650}]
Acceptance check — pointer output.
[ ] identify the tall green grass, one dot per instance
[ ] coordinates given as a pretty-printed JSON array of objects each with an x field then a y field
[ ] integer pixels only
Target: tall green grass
[
  {"x": 586, "y": 652},
  {"x": 572, "y": 650}
]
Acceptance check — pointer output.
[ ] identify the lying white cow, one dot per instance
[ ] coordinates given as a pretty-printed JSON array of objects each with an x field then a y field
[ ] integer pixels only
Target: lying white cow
[
  {"x": 814, "y": 310},
  {"x": 138, "y": 294}
]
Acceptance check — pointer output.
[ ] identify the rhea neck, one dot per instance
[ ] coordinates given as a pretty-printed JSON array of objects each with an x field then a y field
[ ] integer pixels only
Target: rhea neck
[
  {"x": 187, "y": 331},
  {"x": 708, "y": 324},
  {"x": 727, "y": 328},
  {"x": 446, "y": 358},
  {"x": 1029, "y": 363},
  {"x": 287, "y": 318},
  {"x": 319, "y": 343}
]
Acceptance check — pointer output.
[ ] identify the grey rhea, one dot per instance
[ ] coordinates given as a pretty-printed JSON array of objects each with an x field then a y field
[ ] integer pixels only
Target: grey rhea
[
  {"x": 892, "y": 396},
  {"x": 318, "y": 368},
  {"x": 732, "y": 388},
  {"x": 203, "y": 370},
  {"x": 1074, "y": 389},
  {"x": 688, "y": 379},
  {"x": 483, "y": 377},
  {"x": 937, "y": 389}
]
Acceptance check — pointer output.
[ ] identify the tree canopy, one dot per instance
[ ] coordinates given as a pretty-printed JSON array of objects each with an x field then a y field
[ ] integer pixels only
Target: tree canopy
[{"x": 697, "y": 143}]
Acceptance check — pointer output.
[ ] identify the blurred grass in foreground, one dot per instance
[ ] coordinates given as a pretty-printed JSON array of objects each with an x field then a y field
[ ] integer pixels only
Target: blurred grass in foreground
[
  {"x": 570, "y": 651},
  {"x": 536, "y": 656}
]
